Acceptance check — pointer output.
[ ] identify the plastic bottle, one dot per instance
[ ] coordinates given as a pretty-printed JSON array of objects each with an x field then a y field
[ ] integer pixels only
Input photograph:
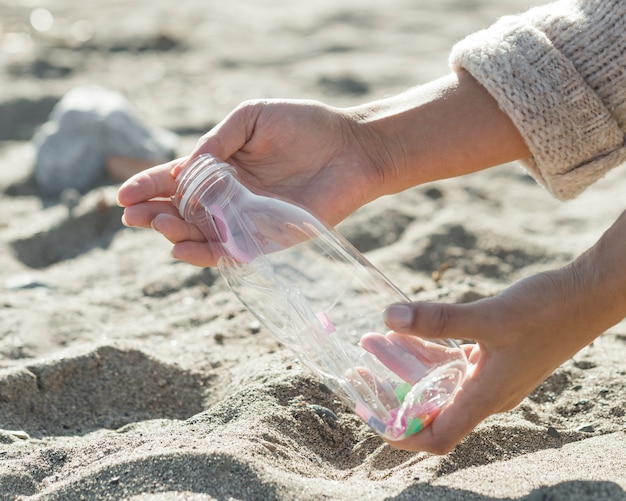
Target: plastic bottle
[{"x": 321, "y": 299}]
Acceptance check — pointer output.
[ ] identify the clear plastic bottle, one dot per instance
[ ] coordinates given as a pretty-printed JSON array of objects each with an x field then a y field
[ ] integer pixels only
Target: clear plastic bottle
[{"x": 320, "y": 298}]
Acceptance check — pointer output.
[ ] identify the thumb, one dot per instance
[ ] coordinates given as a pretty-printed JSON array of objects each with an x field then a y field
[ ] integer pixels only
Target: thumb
[
  {"x": 440, "y": 320},
  {"x": 232, "y": 133}
]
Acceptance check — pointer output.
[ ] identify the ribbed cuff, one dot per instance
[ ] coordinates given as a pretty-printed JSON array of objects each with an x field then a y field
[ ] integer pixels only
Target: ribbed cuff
[{"x": 570, "y": 133}]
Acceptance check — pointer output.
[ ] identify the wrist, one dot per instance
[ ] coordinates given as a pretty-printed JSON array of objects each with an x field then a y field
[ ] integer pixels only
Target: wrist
[
  {"x": 379, "y": 151},
  {"x": 447, "y": 128}
]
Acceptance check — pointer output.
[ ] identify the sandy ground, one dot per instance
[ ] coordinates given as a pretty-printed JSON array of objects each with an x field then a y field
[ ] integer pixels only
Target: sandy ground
[{"x": 127, "y": 375}]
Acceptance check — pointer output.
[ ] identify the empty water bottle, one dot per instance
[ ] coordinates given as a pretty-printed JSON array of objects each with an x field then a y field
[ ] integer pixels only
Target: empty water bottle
[{"x": 320, "y": 298}]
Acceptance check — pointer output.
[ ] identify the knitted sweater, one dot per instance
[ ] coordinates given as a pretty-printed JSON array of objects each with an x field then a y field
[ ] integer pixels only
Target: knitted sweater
[{"x": 559, "y": 72}]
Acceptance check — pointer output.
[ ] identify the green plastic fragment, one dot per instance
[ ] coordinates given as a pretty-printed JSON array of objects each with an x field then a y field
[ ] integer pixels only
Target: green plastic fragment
[
  {"x": 401, "y": 391},
  {"x": 413, "y": 425}
]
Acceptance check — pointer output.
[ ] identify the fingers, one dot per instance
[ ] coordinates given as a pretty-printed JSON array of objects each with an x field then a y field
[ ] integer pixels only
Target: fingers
[
  {"x": 139, "y": 195},
  {"x": 190, "y": 244},
  {"x": 196, "y": 253},
  {"x": 395, "y": 357},
  {"x": 170, "y": 225},
  {"x": 142, "y": 208},
  {"x": 141, "y": 215},
  {"x": 428, "y": 353},
  {"x": 176, "y": 229},
  {"x": 151, "y": 183},
  {"x": 480, "y": 393},
  {"x": 471, "y": 405}
]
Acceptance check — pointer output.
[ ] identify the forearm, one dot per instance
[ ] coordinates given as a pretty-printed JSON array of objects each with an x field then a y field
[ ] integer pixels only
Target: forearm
[
  {"x": 558, "y": 72},
  {"x": 447, "y": 128},
  {"x": 603, "y": 272}
]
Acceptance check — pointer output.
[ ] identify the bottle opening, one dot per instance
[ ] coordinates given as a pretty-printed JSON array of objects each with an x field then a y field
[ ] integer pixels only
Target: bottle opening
[{"x": 195, "y": 179}]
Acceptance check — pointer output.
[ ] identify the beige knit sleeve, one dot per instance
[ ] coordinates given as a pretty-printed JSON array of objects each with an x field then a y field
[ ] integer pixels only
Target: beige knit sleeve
[{"x": 559, "y": 72}]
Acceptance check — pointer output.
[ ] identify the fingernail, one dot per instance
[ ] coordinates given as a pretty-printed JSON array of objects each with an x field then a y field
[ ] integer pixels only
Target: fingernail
[
  {"x": 155, "y": 224},
  {"x": 398, "y": 316}
]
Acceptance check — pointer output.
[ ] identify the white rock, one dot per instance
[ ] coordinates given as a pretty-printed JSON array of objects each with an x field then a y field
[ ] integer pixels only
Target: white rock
[{"x": 88, "y": 125}]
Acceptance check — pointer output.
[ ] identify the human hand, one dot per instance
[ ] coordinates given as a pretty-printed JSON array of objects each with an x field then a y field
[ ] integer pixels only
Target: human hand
[
  {"x": 332, "y": 160},
  {"x": 301, "y": 150},
  {"x": 522, "y": 335}
]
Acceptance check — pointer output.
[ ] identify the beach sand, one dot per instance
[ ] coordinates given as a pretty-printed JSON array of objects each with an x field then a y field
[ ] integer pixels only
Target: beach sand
[{"x": 127, "y": 375}]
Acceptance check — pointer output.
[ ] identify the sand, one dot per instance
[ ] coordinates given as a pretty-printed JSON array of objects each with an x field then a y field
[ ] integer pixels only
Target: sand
[{"x": 127, "y": 375}]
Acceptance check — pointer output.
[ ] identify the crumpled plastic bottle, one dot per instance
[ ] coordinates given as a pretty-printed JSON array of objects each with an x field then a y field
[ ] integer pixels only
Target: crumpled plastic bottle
[{"x": 321, "y": 299}]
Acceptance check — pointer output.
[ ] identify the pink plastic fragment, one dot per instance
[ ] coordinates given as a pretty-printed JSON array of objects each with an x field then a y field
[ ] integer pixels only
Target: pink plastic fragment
[
  {"x": 226, "y": 236},
  {"x": 326, "y": 322}
]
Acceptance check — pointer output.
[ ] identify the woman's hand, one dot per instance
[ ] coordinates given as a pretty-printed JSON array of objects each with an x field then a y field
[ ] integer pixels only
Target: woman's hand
[
  {"x": 522, "y": 335},
  {"x": 301, "y": 150},
  {"x": 332, "y": 161}
]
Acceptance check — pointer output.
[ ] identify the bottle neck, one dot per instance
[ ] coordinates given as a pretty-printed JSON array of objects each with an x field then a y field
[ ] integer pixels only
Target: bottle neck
[{"x": 206, "y": 180}]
